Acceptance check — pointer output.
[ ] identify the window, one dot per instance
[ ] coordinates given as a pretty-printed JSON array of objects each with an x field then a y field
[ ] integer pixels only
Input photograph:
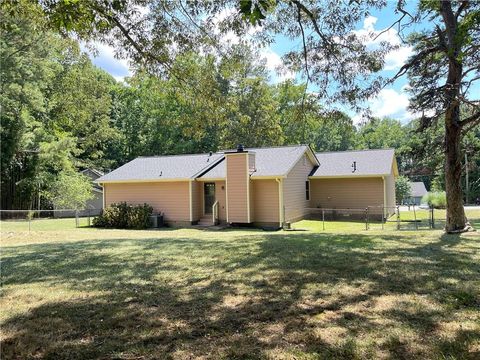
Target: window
[{"x": 307, "y": 190}]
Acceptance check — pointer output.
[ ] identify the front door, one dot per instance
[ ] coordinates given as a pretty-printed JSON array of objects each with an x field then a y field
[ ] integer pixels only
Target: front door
[{"x": 209, "y": 197}]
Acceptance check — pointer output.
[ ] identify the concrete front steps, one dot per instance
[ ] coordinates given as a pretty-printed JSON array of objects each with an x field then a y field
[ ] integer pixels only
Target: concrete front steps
[{"x": 206, "y": 220}]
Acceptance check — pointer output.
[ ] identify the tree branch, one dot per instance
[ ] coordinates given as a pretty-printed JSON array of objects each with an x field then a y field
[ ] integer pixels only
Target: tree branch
[
  {"x": 473, "y": 119},
  {"x": 462, "y": 6},
  {"x": 413, "y": 61},
  {"x": 305, "y": 55}
]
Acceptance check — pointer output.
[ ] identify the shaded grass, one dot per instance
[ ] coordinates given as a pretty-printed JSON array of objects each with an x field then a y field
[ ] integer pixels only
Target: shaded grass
[{"x": 88, "y": 293}]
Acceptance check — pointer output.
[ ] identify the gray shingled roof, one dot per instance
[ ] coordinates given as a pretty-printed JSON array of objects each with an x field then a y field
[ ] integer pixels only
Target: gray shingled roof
[
  {"x": 273, "y": 161},
  {"x": 368, "y": 163},
  {"x": 418, "y": 189},
  {"x": 162, "y": 167}
]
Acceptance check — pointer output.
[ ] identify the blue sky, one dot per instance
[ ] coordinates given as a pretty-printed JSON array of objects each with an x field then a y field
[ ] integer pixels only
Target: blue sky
[{"x": 391, "y": 102}]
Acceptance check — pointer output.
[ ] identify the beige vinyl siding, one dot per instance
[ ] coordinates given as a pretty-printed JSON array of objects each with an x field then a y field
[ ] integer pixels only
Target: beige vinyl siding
[
  {"x": 352, "y": 193},
  {"x": 238, "y": 197},
  {"x": 252, "y": 199},
  {"x": 170, "y": 198},
  {"x": 197, "y": 188},
  {"x": 390, "y": 192},
  {"x": 265, "y": 201},
  {"x": 295, "y": 202}
]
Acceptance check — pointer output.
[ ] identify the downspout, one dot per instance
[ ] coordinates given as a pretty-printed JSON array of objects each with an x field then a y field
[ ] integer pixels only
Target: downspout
[
  {"x": 385, "y": 210},
  {"x": 190, "y": 190},
  {"x": 103, "y": 195},
  {"x": 281, "y": 215}
]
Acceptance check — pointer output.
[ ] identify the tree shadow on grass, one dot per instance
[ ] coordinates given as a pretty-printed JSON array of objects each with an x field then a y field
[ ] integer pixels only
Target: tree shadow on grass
[{"x": 255, "y": 296}]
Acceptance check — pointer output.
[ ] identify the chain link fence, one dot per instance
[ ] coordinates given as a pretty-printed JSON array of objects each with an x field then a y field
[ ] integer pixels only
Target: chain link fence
[
  {"x": 387, "y": 218},
  {"x": 370, "y": 218},
  {"x": 29, "y": 220}
]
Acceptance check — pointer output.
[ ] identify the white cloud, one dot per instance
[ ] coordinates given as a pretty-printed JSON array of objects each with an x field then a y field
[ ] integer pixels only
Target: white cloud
[
  {"x": 389, "y": 103},
  {"x": 104, "y": 57},
  {"x": 372, "y": 38},
  {"x": 275, "y": 65},
  {"x": 230, "y": 37},
  {"x": 369, "y": 22}
]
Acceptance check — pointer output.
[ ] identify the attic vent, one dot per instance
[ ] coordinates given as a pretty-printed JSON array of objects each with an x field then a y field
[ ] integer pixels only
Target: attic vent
[
  {"x": 161, "y": 172},
  {"x": 354, "y": 166}
]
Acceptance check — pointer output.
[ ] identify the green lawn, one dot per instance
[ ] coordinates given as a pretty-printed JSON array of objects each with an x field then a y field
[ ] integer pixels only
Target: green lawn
[{"x": 343, "y": 293}]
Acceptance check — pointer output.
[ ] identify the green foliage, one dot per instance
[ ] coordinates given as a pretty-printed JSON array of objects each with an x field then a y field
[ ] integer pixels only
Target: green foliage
[
  {"x": 253, "y": 11},
  {"x": 70, "y": 190},
  {"x": 437, "y": 199},
  {"x": 55, "y": 107},
  {"x": 61, "y": 113},
  {"x": 124, "y": 216},
  {"x": 403, "y": 188}
]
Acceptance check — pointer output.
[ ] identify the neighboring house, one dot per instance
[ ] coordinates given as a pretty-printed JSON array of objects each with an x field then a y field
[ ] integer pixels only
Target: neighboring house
[
  {"x": 96, "y": 203},
  {"x": 261, "y": 186},
  {"x": 418, "y": 189}
]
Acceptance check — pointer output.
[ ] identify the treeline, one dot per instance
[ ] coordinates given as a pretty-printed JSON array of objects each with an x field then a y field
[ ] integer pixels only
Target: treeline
[{"x": 61, "y": 114}]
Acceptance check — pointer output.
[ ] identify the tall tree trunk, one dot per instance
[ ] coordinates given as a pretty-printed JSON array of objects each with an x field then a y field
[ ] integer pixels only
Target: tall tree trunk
[{"x": 456, "y": 220}]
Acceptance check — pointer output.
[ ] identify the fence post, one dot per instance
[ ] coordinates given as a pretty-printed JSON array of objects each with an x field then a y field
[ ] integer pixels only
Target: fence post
[
  {"x": 88, "y": 214},
  {"x": 415, "y": 217},
  {"x": 366, "y": 218},
  {"x": 76, "y": 218},
  {"x": 398, "y": 217},
  {"x": 433, "y": 217},
  {"x": 323, "y": 219},
  {"x": 384, "y": 217}
]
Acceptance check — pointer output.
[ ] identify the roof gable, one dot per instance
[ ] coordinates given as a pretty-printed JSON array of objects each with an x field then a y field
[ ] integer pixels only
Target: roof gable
[
  {"x": 418, "y": 189},
  {"x": 355, "y": 163},
  {"x": 269, "y": 162}
]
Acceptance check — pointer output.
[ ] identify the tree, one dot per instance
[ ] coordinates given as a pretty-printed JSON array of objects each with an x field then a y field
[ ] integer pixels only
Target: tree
[
  {"x": 333, "y": 56},
  {"x": 55, "y": 106},
  {"x": 441, "y": 71},
  {"x": 403, "y": 188},
  {"x": 70, "y": 190}
]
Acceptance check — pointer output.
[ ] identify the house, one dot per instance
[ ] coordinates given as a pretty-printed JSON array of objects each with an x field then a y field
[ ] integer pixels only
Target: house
[
  {"x": 418, "y": 190},
  {"x": 95, "y": 205},
  {"x": 260, "y": 186}
]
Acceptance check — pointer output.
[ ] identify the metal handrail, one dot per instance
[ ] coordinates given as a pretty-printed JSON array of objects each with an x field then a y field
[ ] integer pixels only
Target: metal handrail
[{"x": 215, "y": 212}]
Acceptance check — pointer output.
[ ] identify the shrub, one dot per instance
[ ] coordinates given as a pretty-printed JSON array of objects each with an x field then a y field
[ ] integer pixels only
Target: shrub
[
  {"x": 437, "y": 199},
  {"x": 403, "y": 188},
  {"x": 124, "y": 216}
]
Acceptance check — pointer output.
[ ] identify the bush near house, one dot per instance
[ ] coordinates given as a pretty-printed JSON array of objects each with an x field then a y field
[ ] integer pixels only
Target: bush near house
[
  {"x": 124, "y": 216},
  {"x": 437, "y": 199}
]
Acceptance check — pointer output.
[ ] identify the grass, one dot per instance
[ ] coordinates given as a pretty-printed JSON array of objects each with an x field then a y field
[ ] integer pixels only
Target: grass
[{"x": 342, "y": 293}]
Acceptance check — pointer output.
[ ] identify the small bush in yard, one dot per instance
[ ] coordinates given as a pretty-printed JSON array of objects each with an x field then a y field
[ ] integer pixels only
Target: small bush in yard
[
  {"x": 437, "y": 199},
  {"x": 124, "y": 216}
]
